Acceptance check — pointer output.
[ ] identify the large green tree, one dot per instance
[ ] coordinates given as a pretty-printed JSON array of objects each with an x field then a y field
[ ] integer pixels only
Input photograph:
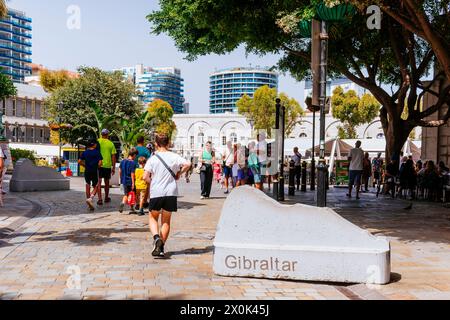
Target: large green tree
[
  {"x": 160, "y": 115},
  {"x": 7, "y": 88},
  {"x": 427, "y": 19},
  {"x": 95, "y": 100},
  {"x": 353, "y": 111},
  {"x": 394, "y": 55},
  {"x": 261, "y": 109}
]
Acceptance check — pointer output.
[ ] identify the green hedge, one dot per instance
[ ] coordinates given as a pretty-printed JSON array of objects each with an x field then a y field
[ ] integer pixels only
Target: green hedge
[{"x": 17, "y": 154}]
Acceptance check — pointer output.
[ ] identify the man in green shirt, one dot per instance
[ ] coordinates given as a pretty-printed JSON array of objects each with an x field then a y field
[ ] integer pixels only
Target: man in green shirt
[{"x": 108, "y": 151}]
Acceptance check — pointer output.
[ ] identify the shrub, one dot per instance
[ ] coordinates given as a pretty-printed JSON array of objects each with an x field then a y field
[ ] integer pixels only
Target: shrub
[{"x": 17, "y": 154}]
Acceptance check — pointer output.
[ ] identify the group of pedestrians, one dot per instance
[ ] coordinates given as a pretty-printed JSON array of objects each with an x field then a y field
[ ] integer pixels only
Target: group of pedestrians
[
  {"x": 236, "y": 166},
  {"x": 150, "y": 176},
  {"x": 394, "y": 176},
  {"x": 99, "y": 161}
]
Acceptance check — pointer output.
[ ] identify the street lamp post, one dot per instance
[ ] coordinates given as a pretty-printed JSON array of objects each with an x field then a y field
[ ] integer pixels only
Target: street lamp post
[
  {"x": 281, "y": 177},
  {"x": 313, "y": 155},
  {"x": 58, "y": 119},
  {"x": 322, "y": 167}
]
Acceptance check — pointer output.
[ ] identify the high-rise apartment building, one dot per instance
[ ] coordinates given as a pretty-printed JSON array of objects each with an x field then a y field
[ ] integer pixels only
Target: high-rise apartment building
[
  {"x": 158, "y": 83},
  {"x": 15, "y": 45},
  {"x": 229, "y": 85}
]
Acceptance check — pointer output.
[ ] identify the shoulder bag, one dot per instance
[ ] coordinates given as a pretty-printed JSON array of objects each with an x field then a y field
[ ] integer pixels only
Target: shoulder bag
[{"x": 166, "y": 166}]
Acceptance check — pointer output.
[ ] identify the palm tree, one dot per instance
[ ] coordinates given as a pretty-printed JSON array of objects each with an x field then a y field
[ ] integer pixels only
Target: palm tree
[
  {"x": 102, "y": 121},
  {"x": 3, "y": 9},
  {"x": 130, "y": 130}
]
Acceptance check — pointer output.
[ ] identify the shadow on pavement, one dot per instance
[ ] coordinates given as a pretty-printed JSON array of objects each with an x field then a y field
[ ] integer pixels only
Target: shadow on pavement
[
  {"x": 191, "y": 251},
  {"x": 88, "y": 237},
  {"x": 5, "y": 232},
  {"x": 4, "y": 244}
]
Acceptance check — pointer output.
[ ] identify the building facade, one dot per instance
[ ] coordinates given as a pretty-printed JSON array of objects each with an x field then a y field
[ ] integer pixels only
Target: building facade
[
  {"x": 24, "y": 121},
  {"x": 158, "y": 83},
  {"x": 228, "y": 86},
  {"x": 194, "y": 130},
  {"x": 15, "y": 45},
  {"x": 436, "y": 140}
]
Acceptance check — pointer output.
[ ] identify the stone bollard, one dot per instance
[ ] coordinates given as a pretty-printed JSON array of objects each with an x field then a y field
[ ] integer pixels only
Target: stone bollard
[
  {"x": 304, "y": 173},
  {"x": 261, "y": 238}
]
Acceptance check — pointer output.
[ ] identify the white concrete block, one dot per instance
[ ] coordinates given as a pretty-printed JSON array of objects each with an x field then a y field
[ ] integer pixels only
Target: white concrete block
[
  {"x": 29, "y": 178},
  {"x": 258, "y": 237}
]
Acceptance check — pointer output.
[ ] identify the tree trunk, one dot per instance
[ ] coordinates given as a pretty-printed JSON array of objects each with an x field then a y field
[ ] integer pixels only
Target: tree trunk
[{"x": 396, "y": 133}]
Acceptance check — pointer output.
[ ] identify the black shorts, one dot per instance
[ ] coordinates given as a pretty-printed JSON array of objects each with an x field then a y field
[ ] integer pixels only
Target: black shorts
[
  {"x": 376, "y": 175},
  {"x": 164, "y": 203},
  {"x": 91, "y": 178},
  {"x": 227, "y": 172},
  {"x": 126, "y": 190},
  {"x": 104, "y": 173}
]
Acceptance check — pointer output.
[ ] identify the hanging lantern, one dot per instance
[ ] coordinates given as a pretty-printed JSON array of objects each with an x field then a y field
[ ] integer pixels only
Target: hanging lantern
[
  {"x": 336, "y": 13},
  {"x": 304, "y": 28}
]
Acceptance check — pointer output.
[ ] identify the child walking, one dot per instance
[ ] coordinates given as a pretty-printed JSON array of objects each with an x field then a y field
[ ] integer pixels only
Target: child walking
[
  {"x": 162, "y": 171},
  {"x": 141, "y": 185},
  {"x": 91, "y": 160},
  {"x": 217, "y": 170},
  {"x": 127, "y": 170}
]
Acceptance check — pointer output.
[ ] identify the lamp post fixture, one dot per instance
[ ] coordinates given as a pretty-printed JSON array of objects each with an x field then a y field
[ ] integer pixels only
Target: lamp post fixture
[
  {"x": 278, "y": 184},
  {"x": 322, "y": 172},
  {"x": 317, "y": 31}
]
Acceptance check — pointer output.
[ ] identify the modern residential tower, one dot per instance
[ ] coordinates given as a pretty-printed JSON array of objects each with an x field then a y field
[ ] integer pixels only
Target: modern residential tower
[
  {"x": 229, "y": 85},
  {"x": 158, "y": 83},
  {"x": 15, "y": 45}
]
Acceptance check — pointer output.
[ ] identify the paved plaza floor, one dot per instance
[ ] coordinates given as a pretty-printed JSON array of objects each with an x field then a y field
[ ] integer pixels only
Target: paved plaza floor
[{"x": 51, "y": 247}]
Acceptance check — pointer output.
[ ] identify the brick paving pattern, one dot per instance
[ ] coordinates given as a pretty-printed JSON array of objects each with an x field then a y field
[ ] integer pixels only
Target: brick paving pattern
[{"x": 61, "y": 251}]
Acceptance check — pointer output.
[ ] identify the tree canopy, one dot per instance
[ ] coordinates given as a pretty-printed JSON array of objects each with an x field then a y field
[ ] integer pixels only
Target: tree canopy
[
  {"x": 353, "y": 111},
  {"x": 52, "y": 80},
  {"x": 7, "y": 88},
  {"x": 92, "y": 98},
  {"x": 160, "y": 114},
  {"x": 397, "y": 55},
  {"x": 261, "y": 109}
]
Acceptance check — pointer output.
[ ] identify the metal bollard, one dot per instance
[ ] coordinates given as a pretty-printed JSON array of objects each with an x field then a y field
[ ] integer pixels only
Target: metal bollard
[
  {"x": 304, "y": 173},
  {"x": 313, "y": 175},
  {"x": 291, "y": 178}
]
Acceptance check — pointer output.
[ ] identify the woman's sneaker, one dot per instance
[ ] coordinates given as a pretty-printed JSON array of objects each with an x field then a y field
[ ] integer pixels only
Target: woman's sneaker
[
  {"x": 122, "y": 205},
  {"x": 161, "y": 253},
  {"x": 141, "y": 212},
  {"x": 90, "y": 204},
  {"x": 158, "y": 247}
]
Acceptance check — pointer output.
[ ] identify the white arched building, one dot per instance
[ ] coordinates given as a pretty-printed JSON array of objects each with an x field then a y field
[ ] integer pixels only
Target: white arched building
[{"x": 193, "y": 130}]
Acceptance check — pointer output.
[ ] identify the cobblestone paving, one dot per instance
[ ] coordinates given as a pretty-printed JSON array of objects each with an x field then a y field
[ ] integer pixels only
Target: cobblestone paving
[{"x": 64, "y": 252}]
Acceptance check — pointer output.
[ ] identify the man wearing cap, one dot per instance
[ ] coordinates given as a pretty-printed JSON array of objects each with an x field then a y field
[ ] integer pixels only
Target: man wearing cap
[{"x": 108, "y": 168}]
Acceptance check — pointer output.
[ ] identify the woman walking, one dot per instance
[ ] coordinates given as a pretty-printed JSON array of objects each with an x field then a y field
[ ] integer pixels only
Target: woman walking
[
  {"x": 205, "y": 162},
  {"x": 253, "y": 165},
  {"x": 367, "y": 172}
]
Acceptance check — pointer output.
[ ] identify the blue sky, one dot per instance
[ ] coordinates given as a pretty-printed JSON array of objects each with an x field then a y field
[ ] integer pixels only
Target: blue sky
[{"x": 116, "y": 33}]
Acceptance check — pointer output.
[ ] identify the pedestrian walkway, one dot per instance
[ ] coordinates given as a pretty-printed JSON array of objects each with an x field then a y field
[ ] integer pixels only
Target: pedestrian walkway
[
  {"x": 65, "y": 252},
  {"x": 419, "y": 235}
]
